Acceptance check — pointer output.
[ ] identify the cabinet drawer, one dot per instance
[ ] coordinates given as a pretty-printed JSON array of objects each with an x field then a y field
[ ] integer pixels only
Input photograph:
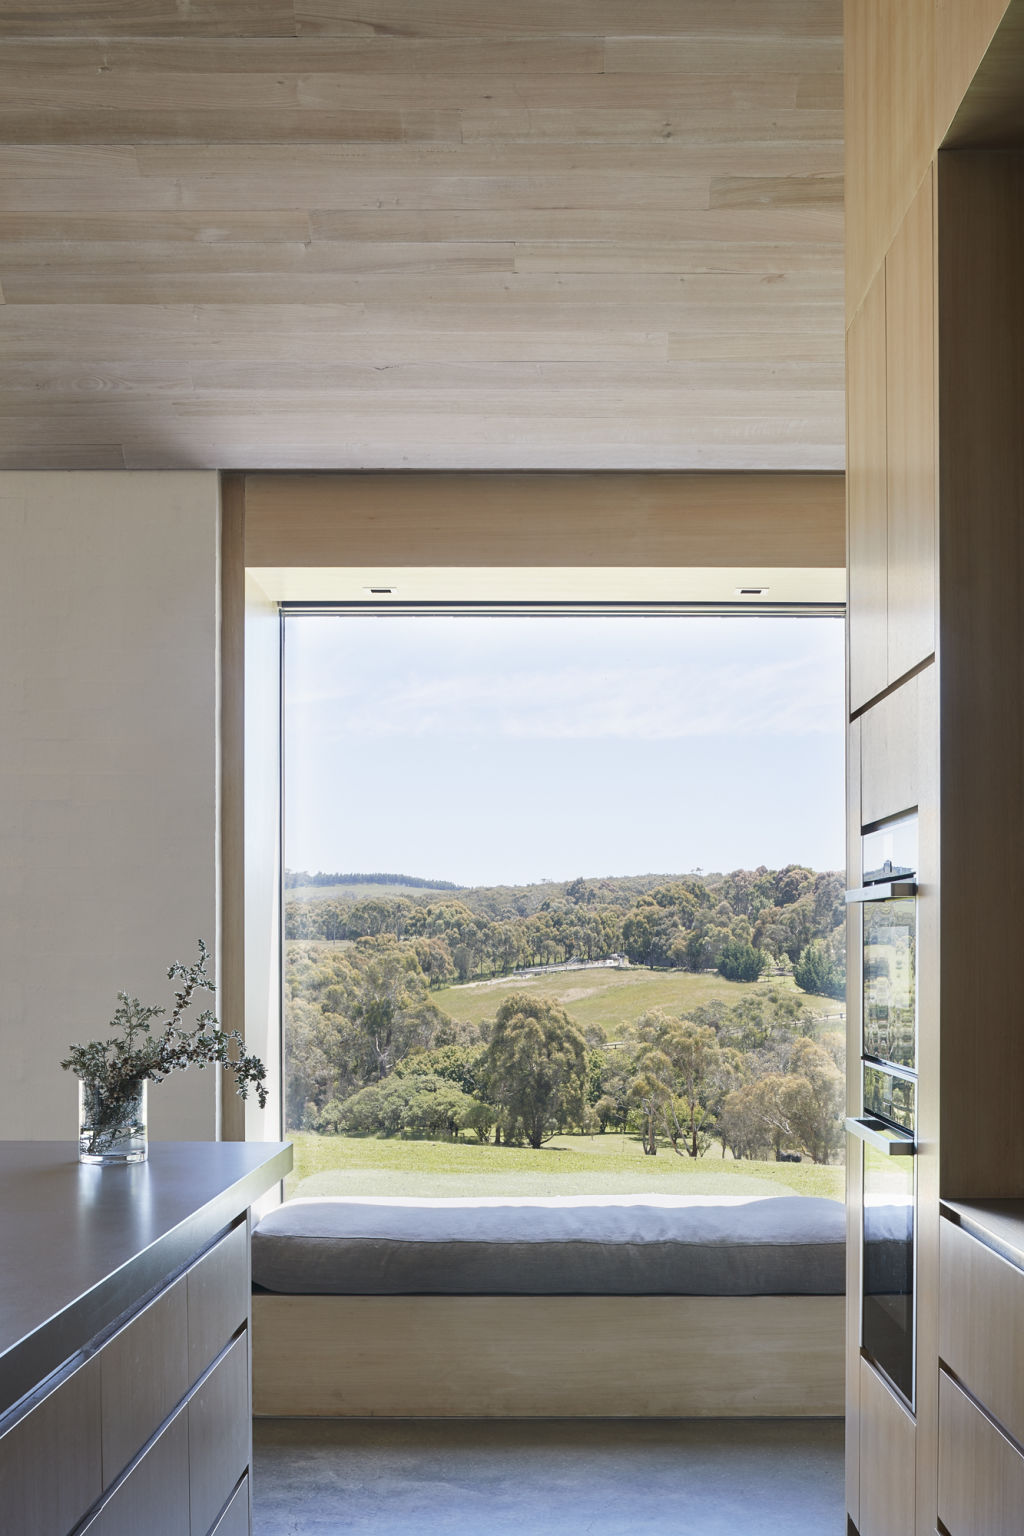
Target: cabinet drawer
[
  {"x": 981, "y": 1324},
  {"x": 154, "y": 1496},
  {"x": 144, "y": 1373},
  {"x": 235, "y": 1519},
  {"x": 981, "y": 1475},
  {"x": 219, "y": 1429},
  {"x": 218, "y": 1298},
  {"x": 50, "y": 1460}
]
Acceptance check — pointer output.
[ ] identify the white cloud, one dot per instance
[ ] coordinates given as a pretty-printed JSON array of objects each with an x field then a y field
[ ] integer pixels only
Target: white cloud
[{"x": 650, "y": 703}]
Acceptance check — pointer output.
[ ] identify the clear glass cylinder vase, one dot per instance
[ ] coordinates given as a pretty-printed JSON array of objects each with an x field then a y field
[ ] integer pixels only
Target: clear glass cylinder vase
[{"x": 112, "y": 1124}]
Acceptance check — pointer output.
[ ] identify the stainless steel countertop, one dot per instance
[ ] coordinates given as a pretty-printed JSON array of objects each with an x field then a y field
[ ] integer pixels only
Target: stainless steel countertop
[{"x": 79, "y": 1246}]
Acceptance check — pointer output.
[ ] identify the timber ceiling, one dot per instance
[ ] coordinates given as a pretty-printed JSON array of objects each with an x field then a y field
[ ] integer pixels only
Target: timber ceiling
[{"x": 461, "y": 234}]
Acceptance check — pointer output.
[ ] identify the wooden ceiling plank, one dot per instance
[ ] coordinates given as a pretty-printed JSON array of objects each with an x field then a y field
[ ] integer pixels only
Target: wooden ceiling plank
[
  {"x": 655, "y": 18},
  {"x": 586, "y": 231},
  {"x": 488, "y": 158},
  {"x": 775, "y": 191},
  {"x": 79, "y": 230},
  {"x": 728, "y": 226},
  {"x": 119, "y": 61},
  {"x": 710, "y": 55},
  {"x": 147, "y": 18}
]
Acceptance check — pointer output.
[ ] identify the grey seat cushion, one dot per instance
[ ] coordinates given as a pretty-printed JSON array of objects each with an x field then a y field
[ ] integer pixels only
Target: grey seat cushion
[{"x": 585, "y": 1245}]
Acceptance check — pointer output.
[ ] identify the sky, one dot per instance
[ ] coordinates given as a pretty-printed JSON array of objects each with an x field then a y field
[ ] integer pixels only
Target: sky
[{"x": 493, "y": 750}]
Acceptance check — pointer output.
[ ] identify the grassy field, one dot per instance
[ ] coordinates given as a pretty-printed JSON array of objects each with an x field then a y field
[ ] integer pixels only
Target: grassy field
[
  {"x": 364, "y": 890},
  {"x": 613, "y": 999},
  {"x": 569, "y": 1165}
]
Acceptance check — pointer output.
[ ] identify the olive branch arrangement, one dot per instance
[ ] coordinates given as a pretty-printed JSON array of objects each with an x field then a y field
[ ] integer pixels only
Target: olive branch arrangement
[{"x": 115, "y": 1068}]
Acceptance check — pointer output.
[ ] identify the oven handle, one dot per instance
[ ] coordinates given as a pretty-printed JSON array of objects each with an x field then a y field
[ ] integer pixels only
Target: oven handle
[
  {"x": 885, "y": 890},
  {"x": 873, "y": 1132}
]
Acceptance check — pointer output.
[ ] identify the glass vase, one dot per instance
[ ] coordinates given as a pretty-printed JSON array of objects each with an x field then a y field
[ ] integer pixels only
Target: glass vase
[{"x": 112, "y": 1127}]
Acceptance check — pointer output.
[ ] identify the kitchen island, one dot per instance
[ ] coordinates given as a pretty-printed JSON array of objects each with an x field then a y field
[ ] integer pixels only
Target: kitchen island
[{"x": 124, "y": 1338}]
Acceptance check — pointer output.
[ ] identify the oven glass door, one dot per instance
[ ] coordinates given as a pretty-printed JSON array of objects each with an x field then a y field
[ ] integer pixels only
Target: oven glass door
[
  {"x": 888, "y": 1256},
  {"x": 890, "y": 963}
]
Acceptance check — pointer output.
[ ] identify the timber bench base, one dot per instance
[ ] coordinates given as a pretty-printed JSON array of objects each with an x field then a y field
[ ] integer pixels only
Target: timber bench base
[{"x": 547, "y": 1356}]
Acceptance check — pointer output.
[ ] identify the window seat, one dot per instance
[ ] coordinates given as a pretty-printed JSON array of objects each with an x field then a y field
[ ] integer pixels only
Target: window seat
[
  {"x": 630, "y": 1306},
  {"x": 626, "y": 1245}
]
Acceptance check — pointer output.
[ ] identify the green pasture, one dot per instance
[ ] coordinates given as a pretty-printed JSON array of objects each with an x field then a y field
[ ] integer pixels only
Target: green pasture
[
  {"x": 613, "y": 999},
  {"x": 568, "y": 1165},
  {"x": 363, "y": 891}
]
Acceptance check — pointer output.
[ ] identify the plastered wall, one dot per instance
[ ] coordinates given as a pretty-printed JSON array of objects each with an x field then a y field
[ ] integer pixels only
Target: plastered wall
[{"x": 109, "y": 624}]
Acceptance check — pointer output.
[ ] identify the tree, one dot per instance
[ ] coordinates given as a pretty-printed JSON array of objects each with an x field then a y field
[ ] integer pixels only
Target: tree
[
  {"x": 817, "y": 971},
  {"x": 682, "y": 1075},
  {"x": 535, "y": 1068},
  {"x": 738, "y": 961},
  {"x": 386, "y": 1001},
  {"x": 815, "y": 1108}
]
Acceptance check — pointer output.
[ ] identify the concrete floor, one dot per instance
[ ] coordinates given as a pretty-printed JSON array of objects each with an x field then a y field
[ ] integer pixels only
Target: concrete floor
[{"x": 566, "y": 1477}]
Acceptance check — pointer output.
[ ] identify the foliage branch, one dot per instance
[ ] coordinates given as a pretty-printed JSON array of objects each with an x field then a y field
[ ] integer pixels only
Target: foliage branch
[{"x": 115, "y": 1068}]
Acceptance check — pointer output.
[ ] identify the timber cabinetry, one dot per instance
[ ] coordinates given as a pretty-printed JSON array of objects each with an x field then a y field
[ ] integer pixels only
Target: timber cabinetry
[
  {"x": 981, "y": 1395},
  {"x": 124, "y": 1340},
  {"x": 891, "y": 503}
]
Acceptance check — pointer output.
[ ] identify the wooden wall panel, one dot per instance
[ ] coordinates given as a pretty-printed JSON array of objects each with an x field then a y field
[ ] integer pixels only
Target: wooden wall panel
[
  {"x": 866, "y": 490},
  {"x": 544, "y": 520},
  {"x": 919, "y": 74},
  {"x": 887, "y": 1441},
  {"x": 963, "y": 33},
  {"x": 910, "y": 437},
  {"x": 981, "y": 489},
  {"x": 981, "y": 1485},
  {"x": 538, "y": 1356},
  {"x": 889, "y": 141},
  {"x": 854, "y": 1106},
  {"x": 569, "y": 236}
]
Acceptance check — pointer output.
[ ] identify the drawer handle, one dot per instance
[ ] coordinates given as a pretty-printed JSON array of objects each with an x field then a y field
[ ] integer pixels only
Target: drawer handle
[{"x": 878, "y": 1135}]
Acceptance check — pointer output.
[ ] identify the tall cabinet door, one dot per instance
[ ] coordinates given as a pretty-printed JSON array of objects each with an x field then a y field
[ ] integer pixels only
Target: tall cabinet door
[
  {"x": 910, "y": 438},
  {"x": 866, "y": 499}
]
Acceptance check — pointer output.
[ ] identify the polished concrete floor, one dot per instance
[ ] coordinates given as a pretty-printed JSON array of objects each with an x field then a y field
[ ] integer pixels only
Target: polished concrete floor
[{"x": 566, "y": 1477}]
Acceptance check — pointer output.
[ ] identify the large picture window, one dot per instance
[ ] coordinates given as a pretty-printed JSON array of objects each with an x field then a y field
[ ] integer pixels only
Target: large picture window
[{"x": 563, "y": 903}]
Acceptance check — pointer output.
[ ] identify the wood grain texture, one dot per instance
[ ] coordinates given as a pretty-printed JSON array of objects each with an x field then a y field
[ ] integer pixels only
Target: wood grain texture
[
  {"x": 929, "y": 1103},
  {"x": 220, "y": 1435},
  {"x": 896, "y": 735},
  {"x": 235, "y": 1519},
  {"x": 981, "y": 1337},
  {"x": 50, "y": 1461},
  {"x": 218, "y": 1298},
  {"x": 145, "y": 1374},
  {"x": 231, "y": 997},
  {"x": 887, "y": 1448},
  {"x": 974, "y": 92},
  {"x": 889, "y": 68},
  {"x": 524, "y": 1356},
  {"x": 911, "y": 482},
  {"x": 981, "y": 1481},
  {"x": 854, "y": 1106},
  {"x": 354, "y": 193},
  {"x": 866, "y": 503},
  {"x": 544, "y": 520},
  {"x": 981, "y": 489},
  {"x": 154, "y": 1496}
]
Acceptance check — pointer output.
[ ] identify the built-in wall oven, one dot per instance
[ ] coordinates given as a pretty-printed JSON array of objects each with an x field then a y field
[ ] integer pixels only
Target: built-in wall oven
[{"x": 886, "y": 1130}]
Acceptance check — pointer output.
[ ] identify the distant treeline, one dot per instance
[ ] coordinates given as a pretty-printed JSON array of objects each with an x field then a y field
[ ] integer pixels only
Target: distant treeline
[
  {"x": 296, "y": 877},
  {"x": 740, "y": 924}
]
